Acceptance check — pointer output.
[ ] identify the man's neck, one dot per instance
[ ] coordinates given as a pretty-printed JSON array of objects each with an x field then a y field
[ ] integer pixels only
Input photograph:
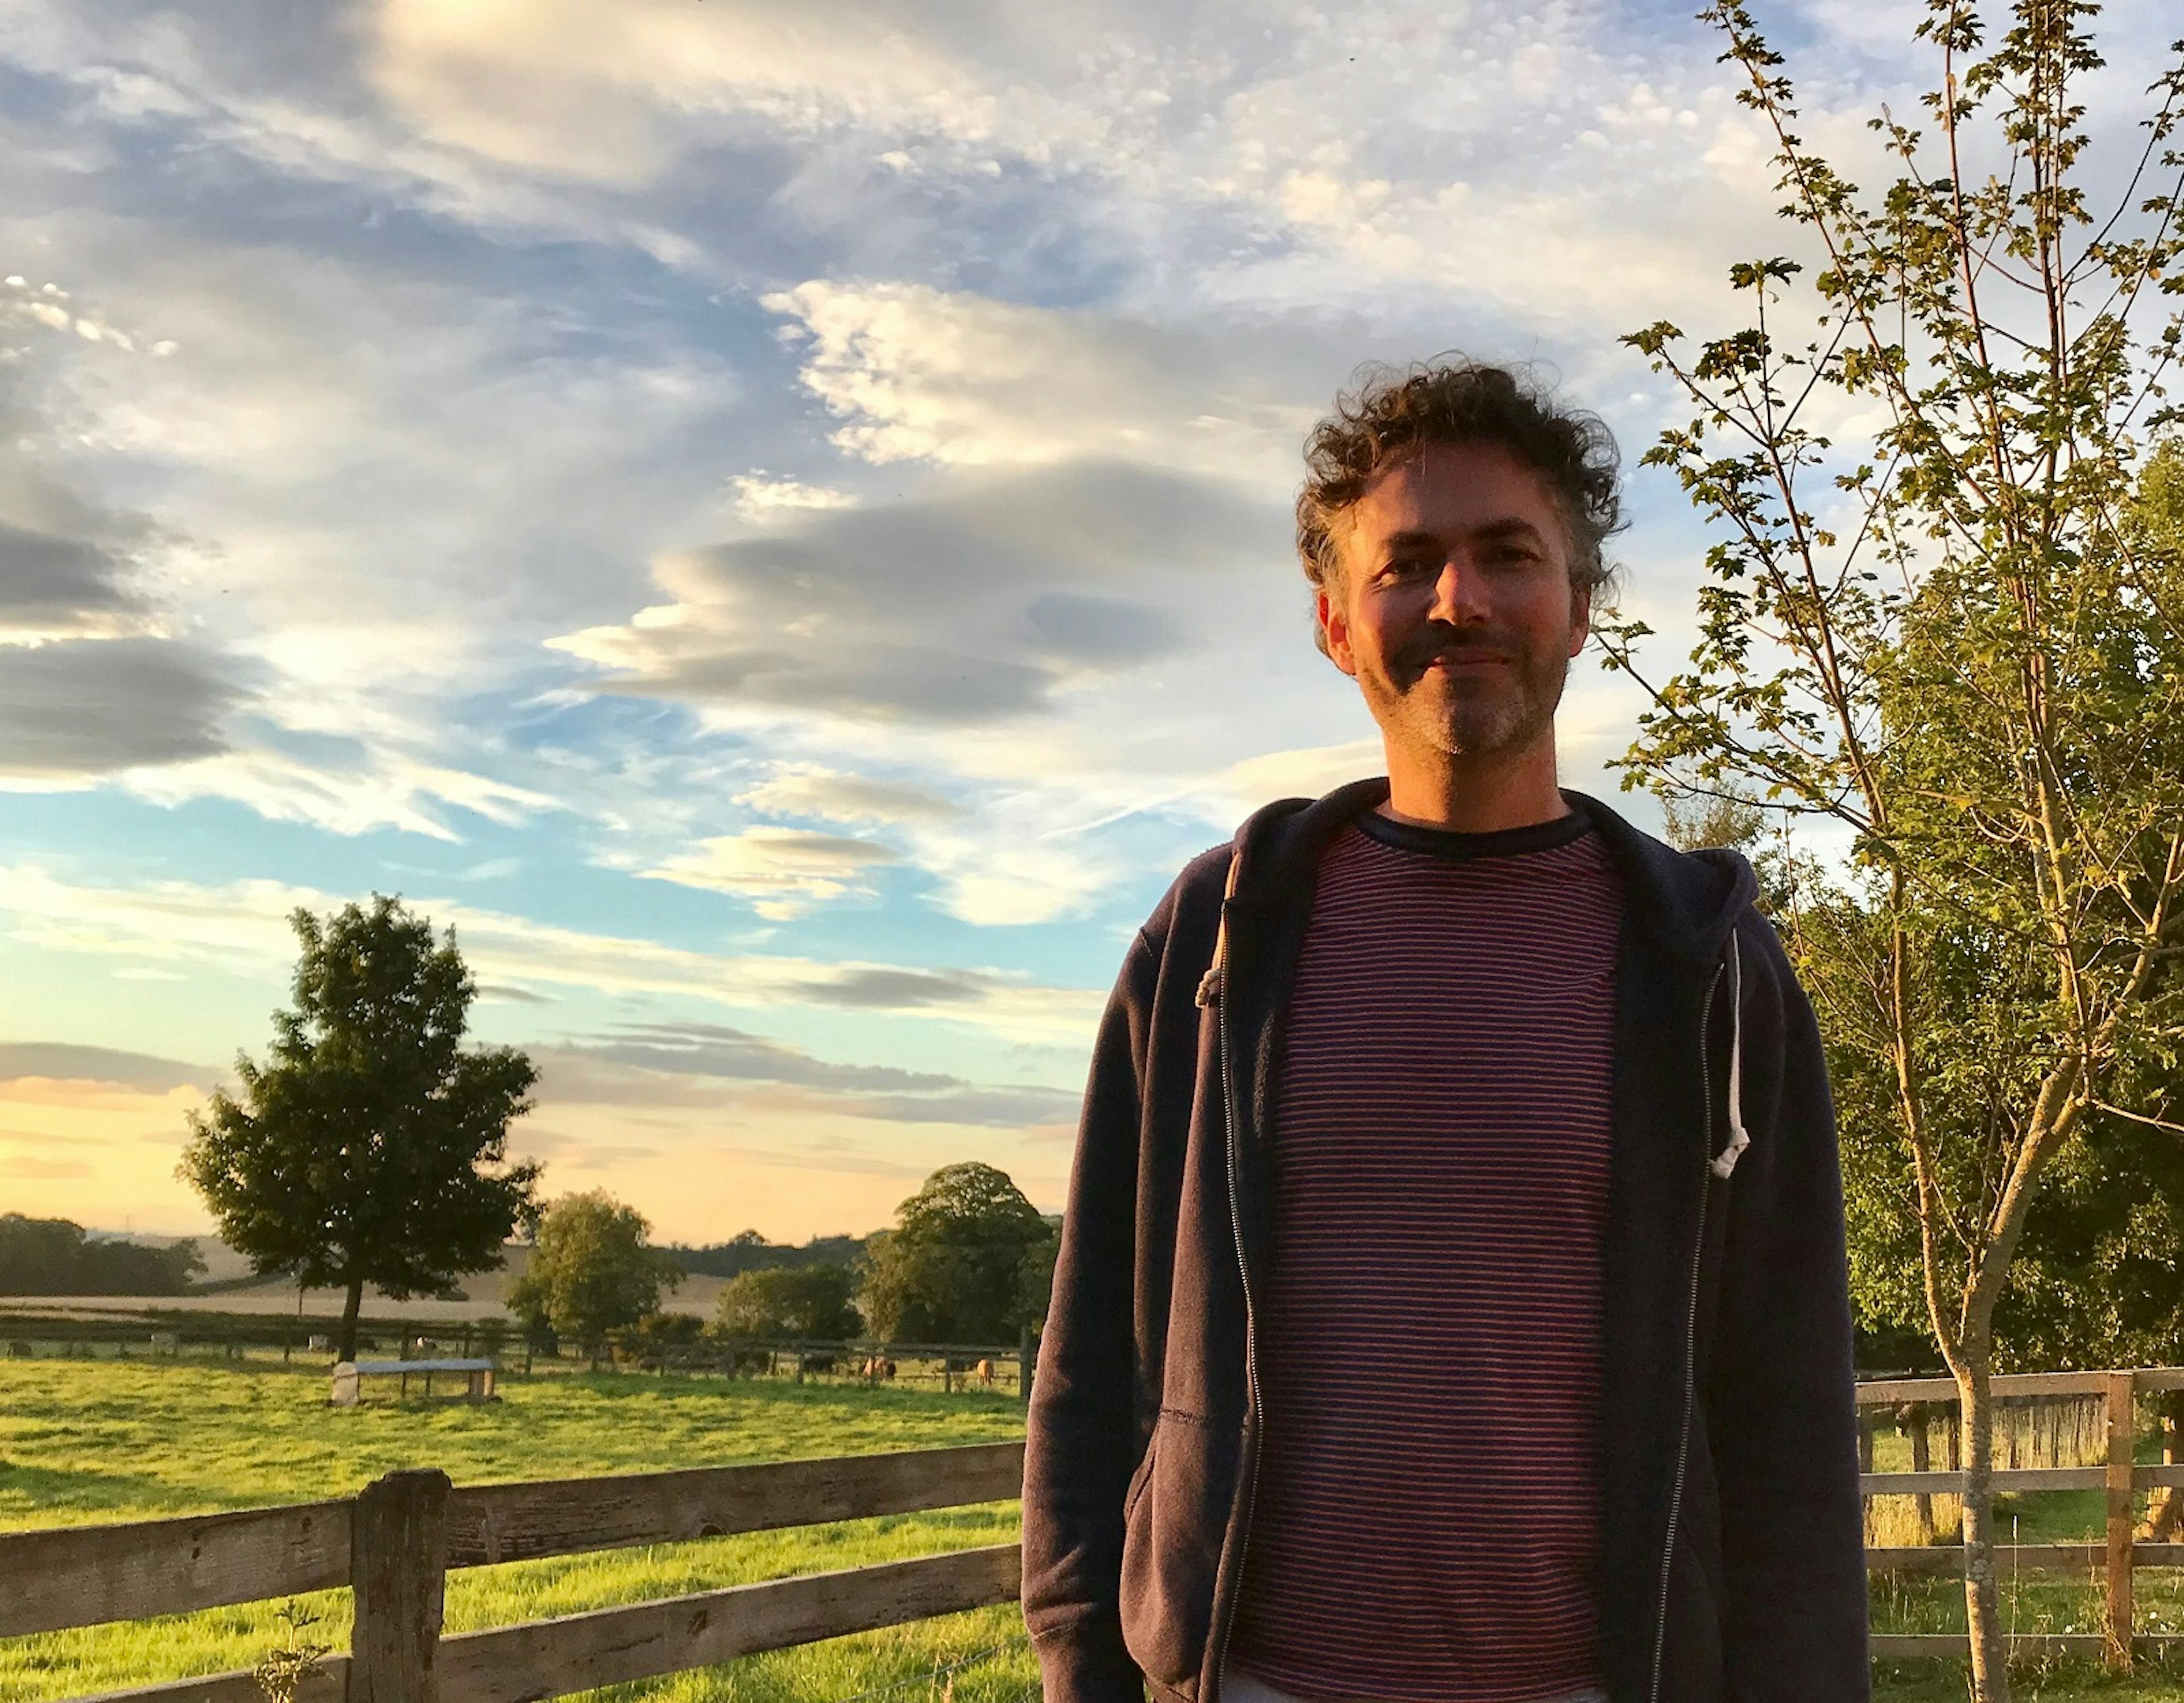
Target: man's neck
[{"x": 1473, "y": 796}]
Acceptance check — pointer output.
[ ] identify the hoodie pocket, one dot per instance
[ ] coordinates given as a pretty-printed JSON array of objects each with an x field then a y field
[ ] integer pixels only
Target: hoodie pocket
[
  {"x": 1177, "y": 1515},
  {"x": 1143, "y": 1476}
]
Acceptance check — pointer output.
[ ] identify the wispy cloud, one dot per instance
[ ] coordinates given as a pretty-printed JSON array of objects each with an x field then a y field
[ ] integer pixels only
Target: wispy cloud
[
  {"x": 781, "y": 870},
  {"x": 65, "y": 1061},
  {"x": 244, "y": 925}
]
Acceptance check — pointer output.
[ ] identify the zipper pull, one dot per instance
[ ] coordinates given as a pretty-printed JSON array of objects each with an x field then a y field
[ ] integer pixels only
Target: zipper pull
[{"x": 1209, "y": 988}]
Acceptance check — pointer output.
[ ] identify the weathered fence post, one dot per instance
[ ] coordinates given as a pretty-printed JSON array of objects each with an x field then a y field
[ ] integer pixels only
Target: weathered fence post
[
  {"x": 398, "y": 1568},
  {"x": 2122, "y": 1441},
  {"x": 1922, "y": 1460}
]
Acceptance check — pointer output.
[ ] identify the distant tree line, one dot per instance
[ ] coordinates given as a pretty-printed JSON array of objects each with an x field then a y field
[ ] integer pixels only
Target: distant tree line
[
  {"x": 748, "y": 1251},
  {"x": 54, "y": 1256},
  {"x": 969, "y": 1261},
  {"x": 370, "y": 1149}
]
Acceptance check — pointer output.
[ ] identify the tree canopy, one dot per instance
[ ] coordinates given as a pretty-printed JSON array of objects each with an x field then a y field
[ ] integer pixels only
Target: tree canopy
[
  {"x": 811, "y": 1303},
  {"x": 371, "y": 1145},
  {"x": 591, "y": 1270},
  {"x": 1960, "y": 645},
  {"x": 969, "y": 1261}
]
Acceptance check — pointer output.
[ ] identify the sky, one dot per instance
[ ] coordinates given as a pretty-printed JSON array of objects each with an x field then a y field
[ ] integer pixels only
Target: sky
[{"x": 771, "y": 521}]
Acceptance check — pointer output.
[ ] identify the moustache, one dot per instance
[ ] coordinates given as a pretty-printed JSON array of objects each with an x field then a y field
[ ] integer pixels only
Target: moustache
[{"x": 1431, "y": 646}]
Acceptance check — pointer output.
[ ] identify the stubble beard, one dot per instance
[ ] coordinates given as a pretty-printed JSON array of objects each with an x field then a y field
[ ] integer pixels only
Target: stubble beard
[{"x": 1497, "y": 714}]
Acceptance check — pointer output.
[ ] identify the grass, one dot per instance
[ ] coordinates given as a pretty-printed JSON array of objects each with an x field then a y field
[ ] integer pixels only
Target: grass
[
  {"x": 2034, "y": 1602},
  {"x": 96, "y": 1441},
  {"x": 107, "y": 1439}
]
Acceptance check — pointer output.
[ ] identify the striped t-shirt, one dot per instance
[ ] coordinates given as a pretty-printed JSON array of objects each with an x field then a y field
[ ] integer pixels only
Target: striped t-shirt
[{"x": 1429, "y": 1347}]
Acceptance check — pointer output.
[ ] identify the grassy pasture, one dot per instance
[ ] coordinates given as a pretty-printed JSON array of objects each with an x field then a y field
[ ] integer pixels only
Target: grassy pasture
[
  {"x": 104, "y": 1440},
  {"x": 83, "y": 1441}
]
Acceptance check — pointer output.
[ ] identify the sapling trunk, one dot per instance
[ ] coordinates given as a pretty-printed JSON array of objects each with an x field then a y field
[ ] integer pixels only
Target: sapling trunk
[{"x": 1982, "y": 1607}]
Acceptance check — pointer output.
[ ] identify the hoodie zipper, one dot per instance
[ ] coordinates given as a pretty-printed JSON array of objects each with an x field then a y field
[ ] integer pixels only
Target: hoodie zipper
[
  {"x": 1219, "y": 1000},
  {"x": 1691, "y": 1344}
]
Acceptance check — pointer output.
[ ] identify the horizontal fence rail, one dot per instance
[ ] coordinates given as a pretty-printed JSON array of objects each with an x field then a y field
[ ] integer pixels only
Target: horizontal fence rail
[
  {"x": 395, "y": 1541},
  {"x": 2111, "y": 1561}
]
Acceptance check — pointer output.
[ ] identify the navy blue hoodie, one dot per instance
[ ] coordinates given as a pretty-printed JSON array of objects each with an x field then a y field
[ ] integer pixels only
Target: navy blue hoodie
[{"x": 1732, "y": 1567}]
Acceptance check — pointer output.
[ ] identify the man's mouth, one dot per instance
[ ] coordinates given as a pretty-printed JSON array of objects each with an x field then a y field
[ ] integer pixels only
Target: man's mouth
[{"x": 1458, "y": 660}]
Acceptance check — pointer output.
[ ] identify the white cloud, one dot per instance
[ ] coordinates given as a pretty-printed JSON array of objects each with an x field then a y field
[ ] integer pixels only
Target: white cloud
[
  {"x": 570, "y": 89},
  {"x": 809, "y": 791},
  {"x": 783, "y": 870},
  {"x": 759, "y": 496},
  {"x": 380, "y": 789},
  {"x": 23, "y": 304},
  {"x": 922, "y": 374},
  {"x": 1309, "y": 773}
]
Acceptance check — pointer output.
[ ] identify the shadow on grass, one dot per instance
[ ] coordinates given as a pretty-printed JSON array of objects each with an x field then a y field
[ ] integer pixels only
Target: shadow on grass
[{"x": 26, "y": 1489}]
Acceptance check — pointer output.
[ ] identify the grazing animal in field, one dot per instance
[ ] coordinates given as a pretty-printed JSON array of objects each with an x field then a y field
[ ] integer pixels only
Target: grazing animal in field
[{"x": 985, "y": 1370}]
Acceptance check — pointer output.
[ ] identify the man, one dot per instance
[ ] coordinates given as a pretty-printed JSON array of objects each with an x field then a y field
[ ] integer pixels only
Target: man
[{"x": 1451, "y": 1304}]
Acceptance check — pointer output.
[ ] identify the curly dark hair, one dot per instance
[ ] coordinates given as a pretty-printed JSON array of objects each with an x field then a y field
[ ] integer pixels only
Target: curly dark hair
[{"x": 1393, "y": 411}]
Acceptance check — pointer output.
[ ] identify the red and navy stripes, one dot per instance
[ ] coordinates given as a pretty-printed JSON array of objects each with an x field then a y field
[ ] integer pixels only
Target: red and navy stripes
[{"x": 1429, "y": 1316}]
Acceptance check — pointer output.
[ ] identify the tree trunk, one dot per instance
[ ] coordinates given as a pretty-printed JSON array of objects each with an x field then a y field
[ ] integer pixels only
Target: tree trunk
[
  {"x": 345, "y": 1343},
  {"x": 1982, "y": 1609}
]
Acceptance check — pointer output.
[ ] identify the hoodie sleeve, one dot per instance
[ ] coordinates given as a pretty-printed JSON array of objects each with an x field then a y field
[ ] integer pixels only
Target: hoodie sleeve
[
  {"x": 1782, "y": 1411},
  {"x": 1083, "y": 1441}
]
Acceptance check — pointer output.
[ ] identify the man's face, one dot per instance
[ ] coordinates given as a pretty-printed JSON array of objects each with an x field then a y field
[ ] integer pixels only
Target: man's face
[{"x": 1455, "y": 612}]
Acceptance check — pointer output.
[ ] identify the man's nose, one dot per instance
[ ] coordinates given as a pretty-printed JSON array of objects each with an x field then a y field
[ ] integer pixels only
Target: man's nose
[{"x": 1459, "y": 594}]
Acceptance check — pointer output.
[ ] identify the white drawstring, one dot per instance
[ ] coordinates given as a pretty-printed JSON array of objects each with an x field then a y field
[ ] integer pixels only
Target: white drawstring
[{"x": 1739, "y": 1137}]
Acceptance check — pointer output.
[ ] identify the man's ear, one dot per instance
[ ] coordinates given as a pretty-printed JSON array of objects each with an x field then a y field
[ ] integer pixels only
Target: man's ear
[
  {"x": 1334, "y": 631},
  {"x": 1580, "y": 618}
]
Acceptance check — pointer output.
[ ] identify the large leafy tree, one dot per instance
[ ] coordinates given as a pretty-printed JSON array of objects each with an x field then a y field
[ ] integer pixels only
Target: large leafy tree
[
  {"x": 968, "y": 1261},
  {"x": 592, "y": 1271},
  {"x": 811, "y": 1303},
  {"x": 371, "y": 1147},
  {"x": 1962, "y": 651}
]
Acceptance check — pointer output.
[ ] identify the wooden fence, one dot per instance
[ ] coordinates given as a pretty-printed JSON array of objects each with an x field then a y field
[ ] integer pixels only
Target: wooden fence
[
  {"x": 2113, "y": 1561},
  {"x": 174, "y": 1333},
  {"x": 395, "y": 1541}
]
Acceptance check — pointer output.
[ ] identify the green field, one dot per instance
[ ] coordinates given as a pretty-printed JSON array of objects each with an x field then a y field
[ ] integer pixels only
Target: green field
[
  {"x": 115, "y": 1440},
  {"x": 118, "y": 1440}
]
